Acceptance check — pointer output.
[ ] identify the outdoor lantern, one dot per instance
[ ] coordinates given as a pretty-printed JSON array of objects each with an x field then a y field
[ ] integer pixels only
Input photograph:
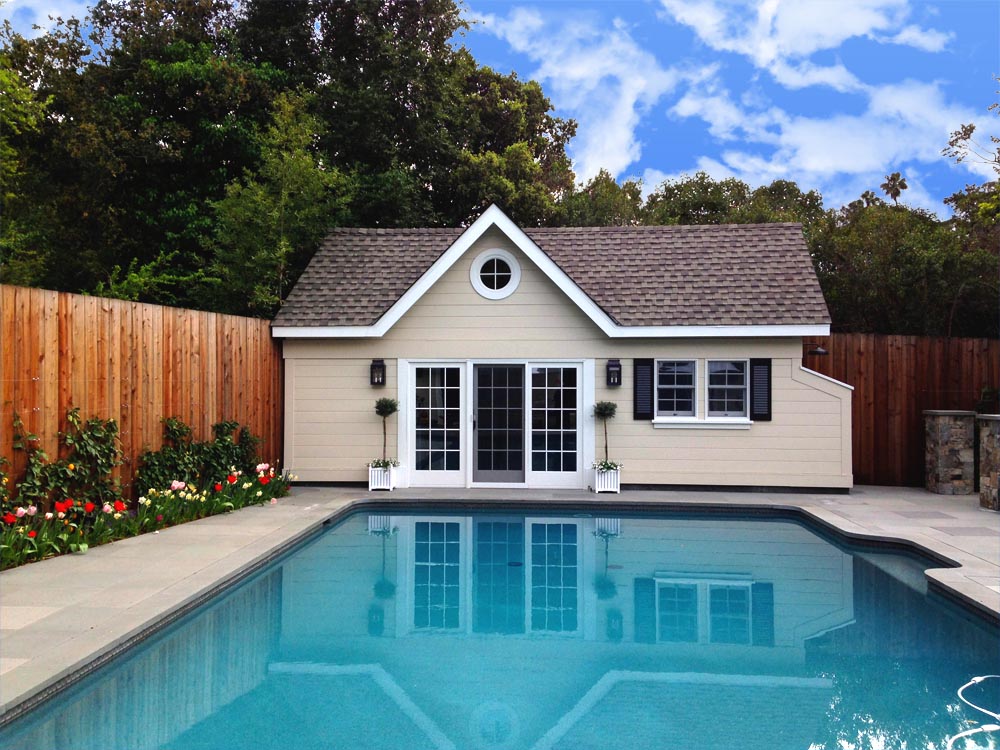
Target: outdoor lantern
[
  {"x": 378, "y": 372},
  {"x": 815, "y": 350},
  {"x": 614, "y": 372}
]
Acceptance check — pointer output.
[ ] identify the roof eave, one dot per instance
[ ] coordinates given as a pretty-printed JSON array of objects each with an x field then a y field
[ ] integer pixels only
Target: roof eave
[{"x": 378, "y": 330}]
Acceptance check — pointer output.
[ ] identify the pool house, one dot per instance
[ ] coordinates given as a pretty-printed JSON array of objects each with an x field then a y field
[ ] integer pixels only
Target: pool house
[{"x": 497, "y": 341}]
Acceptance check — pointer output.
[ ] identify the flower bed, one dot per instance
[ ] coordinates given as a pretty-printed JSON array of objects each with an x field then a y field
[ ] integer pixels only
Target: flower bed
[
  {"x": 28, "y": 534},
  {"x": 73, "y": 503}
]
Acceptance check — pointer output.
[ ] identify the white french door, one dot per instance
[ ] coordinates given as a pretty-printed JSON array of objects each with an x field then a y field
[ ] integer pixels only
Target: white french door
[{"x": 496, "y": 423}]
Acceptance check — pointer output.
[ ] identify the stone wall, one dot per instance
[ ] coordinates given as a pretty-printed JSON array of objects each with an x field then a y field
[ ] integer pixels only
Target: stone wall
[
  {"x": 989, "y": 461},
  {"x": 949, "y": 451}
]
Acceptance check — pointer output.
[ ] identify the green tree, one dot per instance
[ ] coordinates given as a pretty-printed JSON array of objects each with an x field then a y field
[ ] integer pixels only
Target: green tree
[
  {"x": 603, "y": 202},
  {"x": 976, "y": 224},
  {"x": 21, "y": 113},
  {"x": 698, "y": 199},
  {"x": 270, "y": 222},
  {"x": 429, "y": 135},
  {"x": 894, "y": 186},
  {"x": 148, "y": 123},
  {"x": 892, "y": 269}
]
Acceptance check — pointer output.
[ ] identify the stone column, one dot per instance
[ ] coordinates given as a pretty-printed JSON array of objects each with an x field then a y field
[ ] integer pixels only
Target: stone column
[
  {"x": 948, "y": 451},
  {"x": 989, "y": 461}
]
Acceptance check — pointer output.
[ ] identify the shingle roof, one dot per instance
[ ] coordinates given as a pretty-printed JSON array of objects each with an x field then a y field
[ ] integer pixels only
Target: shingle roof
[{"x": 730, "y": 274}]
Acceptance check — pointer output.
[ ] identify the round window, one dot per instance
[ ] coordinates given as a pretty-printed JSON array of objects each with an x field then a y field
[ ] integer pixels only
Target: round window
[{"x": 495, "y": 274}]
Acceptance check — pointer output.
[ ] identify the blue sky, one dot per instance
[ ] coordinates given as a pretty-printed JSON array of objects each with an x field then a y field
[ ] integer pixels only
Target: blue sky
[{"x": 834, "y": 94}]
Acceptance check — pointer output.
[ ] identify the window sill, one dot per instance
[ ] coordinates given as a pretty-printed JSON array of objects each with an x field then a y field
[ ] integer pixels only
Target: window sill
[{"x": 681, "y": 423}]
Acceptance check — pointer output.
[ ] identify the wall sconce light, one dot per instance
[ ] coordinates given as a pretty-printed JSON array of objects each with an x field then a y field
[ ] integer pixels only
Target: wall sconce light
[
  {"x": 815, "y": 350},
  {"x": 614, "y": 372},
  {"x": 378, "y": 372}
]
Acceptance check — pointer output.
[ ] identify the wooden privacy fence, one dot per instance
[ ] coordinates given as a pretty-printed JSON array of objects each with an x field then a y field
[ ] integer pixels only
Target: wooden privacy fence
[
  {"x": 895, "y": 378},
  {"x": 134, "y": 363}
]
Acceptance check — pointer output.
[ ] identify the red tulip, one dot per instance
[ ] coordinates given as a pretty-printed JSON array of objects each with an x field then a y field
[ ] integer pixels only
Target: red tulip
[
  {"x": 119, "y": 506},
  {"x": 9, "y": 518},
  {"x": 88, "y": 507},
  {"x": 231, "y": 479},
  {"x": 264, "y": 480},
  {"x": 32, "y": 533},
  {"x": 218, "y": 486}
]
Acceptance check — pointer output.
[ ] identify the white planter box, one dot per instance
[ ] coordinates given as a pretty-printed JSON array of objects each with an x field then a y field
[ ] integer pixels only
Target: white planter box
[
  {"x": 608, "y": 481},
  {"x": 381, "y": 479}
]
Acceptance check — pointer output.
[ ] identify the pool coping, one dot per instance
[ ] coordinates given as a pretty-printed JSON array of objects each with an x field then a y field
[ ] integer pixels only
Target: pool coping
[{"x": 272, "y": 531}]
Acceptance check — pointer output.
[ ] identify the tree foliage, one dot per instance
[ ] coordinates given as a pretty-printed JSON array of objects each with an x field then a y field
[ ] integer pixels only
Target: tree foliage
[
  {"x": 193, "y": 153},
  {"x": 162, "y": 172},
  {"x": 270, "y": 222}
]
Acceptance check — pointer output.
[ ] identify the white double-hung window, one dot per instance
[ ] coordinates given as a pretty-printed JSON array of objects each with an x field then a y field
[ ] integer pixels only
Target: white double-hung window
[
  {"x": 727, "y": 389},
  {"x": 675, "y": 388}
]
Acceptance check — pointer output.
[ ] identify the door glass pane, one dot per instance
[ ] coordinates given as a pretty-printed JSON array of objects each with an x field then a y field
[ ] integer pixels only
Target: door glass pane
[
  {"x": 437, "y": 400},
  {"x": 499, "y": 578},
  {"x": 436, "y": 575},
  {"x": 554, "y": 595},
  {"x": 499, "y": 423},
  {"x": 553, "y": 419}
]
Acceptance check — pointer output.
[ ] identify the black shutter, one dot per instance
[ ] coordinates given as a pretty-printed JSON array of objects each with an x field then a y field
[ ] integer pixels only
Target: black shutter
[
  {"x": 642, "y": 388},
  {"x": 645, "y": 610},
  {"x": 762, "y": 614},
  {"x": 760, "y": 390}
]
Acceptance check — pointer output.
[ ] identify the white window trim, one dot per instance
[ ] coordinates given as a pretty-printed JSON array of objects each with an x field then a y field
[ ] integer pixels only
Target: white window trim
[
  {"x": 701, "y": 420},
  {"x": 406, "y": 563},
  {"x": 406, "y": 426},
  {"x": 405, "y": 575},
  {"x": 688, "y": 423},
  {"x": 670, "y": 418},
  {"x": 745, "y": 419},
  {"x": 704, "y": 586},
  {"x": 477, "y": 267},
  {"x": 583, "y": 554},
  {"x": 408, "y": 476}
]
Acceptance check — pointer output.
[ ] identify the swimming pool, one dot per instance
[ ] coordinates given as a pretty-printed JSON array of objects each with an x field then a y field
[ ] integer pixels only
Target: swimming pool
[{"x": 451, "y": 630}]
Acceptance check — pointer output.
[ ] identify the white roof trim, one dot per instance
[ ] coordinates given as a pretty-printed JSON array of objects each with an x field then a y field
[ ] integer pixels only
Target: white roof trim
[
  {"x": 618, "y": 332},
  {"x": 493, "y": 216},
  {"x": 826, "y": 377}
]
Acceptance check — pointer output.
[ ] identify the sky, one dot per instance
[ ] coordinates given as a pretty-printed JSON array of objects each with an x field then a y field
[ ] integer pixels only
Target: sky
[{"x": 833, "y": 94}]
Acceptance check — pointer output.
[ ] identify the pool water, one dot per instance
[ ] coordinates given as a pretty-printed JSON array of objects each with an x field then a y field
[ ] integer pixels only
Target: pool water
[{"x": 528, "y": 631}]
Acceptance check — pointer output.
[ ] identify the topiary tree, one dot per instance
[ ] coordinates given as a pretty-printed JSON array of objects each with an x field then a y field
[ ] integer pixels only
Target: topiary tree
[
  {"x": 605, "y": 410},
  {"x": 385, "y": 408}
]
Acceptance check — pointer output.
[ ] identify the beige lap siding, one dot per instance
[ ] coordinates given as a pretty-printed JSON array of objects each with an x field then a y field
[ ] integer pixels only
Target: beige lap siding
[{"x": 332, "y": 430}]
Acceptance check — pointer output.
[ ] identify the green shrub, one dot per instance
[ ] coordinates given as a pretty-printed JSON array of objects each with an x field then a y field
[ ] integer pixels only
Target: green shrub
[
  {"x": 73, "y": 504},
  {"x": 86, "y": 474},
  {"x": 200, "y": 464}
]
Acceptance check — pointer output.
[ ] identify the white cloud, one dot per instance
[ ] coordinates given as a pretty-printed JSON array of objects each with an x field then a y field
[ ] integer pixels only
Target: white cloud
[
  {"x": 927, "y": 40},
  {"x": 23, "y": 14},
  {"x": 780, "y": 35},
  {"x": 599, "y": 76},
  {"x": 903, "y": 127}
]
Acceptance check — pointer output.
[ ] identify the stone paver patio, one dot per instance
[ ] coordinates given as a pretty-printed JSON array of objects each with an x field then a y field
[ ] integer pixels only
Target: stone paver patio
[{"x": 60, "y": 615}]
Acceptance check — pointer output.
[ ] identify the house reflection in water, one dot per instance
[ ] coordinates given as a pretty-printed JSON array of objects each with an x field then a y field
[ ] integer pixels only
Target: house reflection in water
[
  {"x": 523, "y": 631},
  {"x": 696, "y": 587}
]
